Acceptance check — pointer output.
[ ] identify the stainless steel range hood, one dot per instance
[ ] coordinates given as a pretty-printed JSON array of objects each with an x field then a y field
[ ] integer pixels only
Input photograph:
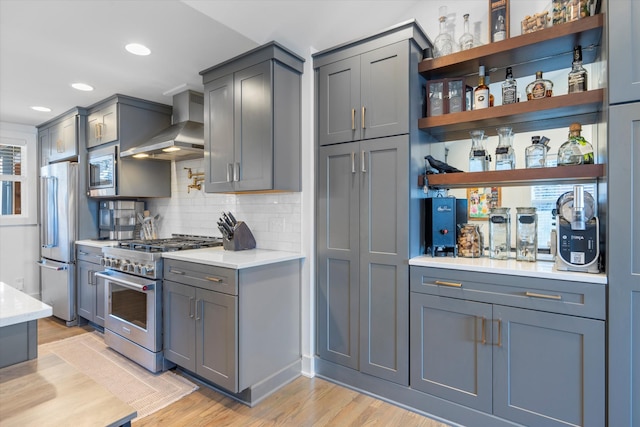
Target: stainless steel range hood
[{"x": 184, "y": 139}]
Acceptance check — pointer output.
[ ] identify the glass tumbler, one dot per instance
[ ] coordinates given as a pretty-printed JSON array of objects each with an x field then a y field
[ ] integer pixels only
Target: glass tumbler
[
  {"x": 499, "y": 233},
  {"x": 526, "y": 234}
]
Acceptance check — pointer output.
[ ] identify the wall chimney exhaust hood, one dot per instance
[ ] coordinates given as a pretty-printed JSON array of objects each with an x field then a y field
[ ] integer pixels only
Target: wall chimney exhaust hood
[{"x": 184, "y": 139}]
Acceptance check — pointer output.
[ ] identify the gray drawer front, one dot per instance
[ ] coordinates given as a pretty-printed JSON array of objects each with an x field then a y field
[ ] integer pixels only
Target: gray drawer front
[
  {"x": 556, "y": 296},
  {"x": 88, "y": 253},
  {"x": 203, "y": 276}
]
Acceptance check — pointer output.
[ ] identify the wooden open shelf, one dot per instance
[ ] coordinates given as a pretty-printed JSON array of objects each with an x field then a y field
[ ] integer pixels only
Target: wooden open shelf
[
  {"x": 517, "y": 177},
  {"x": 548, "y": 113},
  {"x": 544, "y": 50}
]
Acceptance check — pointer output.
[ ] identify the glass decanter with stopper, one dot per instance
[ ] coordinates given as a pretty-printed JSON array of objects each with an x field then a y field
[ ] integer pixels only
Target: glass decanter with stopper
[
  {"x": 505, "y": 155},
  {"x": 443, "y": 44},
  {"x": 466, "y": 39},
  {"x": 478, "y": 156},
  {"x": 576, "y": 150},
  {"x": 500, "y": 29}
]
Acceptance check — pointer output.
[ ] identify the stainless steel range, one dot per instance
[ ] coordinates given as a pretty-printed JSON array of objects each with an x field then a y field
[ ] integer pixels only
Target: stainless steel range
[{"x": 133, "y": 295}]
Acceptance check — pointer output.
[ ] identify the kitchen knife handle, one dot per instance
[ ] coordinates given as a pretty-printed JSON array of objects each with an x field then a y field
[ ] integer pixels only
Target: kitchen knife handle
[
  {"x": 362, "y": 162},
  {"x": 353, "y": 119},
  {"x": 363, "y": 110},
  {"x": 191, "y": 299},
  {"x": 353, "y": 162}
]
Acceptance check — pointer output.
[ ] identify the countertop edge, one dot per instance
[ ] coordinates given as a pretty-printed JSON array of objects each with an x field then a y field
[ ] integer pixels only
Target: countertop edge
[
  {"x": 32, "y": 309},
  {"x": 238, "y": 260},
  {"x": 96, "y": 243},
  {"x": 540, "y": 269}
]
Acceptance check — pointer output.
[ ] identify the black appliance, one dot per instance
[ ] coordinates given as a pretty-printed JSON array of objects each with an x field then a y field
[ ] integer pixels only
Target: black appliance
[{"x": 443, "y": 215}]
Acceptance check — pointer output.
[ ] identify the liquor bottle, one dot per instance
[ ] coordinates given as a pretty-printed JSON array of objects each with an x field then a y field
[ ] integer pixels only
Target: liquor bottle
[
  {"x": 481, "y": 93},
  {"x": 487, "y": 81},
  {"x": 577, "y": 75},
  {"x": 576, "y": 150},
  {"x": 539, "y": 88},
  {"x": 466, "y": 39},
  {"x": 536, "y": 153},
  {"x": 509, "y": 89},
  {"x": 443, "y": 44},
  {"x": 499, "y": 30}
]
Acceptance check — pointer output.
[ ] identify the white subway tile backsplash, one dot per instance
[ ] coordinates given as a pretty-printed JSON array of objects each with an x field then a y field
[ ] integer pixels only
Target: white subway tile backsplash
[{"x": 274, "y": 218}]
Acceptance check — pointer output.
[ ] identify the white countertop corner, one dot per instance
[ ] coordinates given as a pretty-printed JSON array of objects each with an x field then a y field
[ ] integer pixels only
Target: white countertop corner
[
  {"x": 18, "y": 307},
  {"x": 232, "y": 259}
]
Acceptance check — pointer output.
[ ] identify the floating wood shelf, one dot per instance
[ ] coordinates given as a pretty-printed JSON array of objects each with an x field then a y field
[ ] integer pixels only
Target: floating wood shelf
[{"x": 517, "y": 177}]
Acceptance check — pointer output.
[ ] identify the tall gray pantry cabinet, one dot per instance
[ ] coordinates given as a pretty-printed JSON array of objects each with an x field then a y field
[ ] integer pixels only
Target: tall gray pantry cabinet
[
  {"x": 624, "y": 210},
  {"x": 252, "y": 121},
  {"x": 369, "y": 100}
]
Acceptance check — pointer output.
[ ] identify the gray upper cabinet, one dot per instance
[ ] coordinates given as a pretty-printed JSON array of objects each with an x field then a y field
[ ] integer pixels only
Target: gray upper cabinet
[
  {"x": 58, "y": 138},
  {"x": 252, "y": 122},
  {"x": 623, "y": 265},
  {"x": 102, "y": 126},
  {"x": 624, "y": 51},
  {"x": 363, "y": 96}
]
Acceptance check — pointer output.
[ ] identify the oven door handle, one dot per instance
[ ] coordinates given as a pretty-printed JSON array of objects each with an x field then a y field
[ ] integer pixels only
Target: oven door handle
[{"x": 125, "y": 283}]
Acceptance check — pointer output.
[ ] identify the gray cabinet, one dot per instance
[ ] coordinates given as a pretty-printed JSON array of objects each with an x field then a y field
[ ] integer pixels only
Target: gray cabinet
[
  {"x": 252, "y": 122},
  {"x": 364, "y": 96},
  {"x": 533, "y": 367},
  {"x": 363, "y": 208},
  {"x": 58, "y": 138},
  {"x": 237, "y": 329},
  {"x": 102, "y": 126},
  {"x": 624, "y": 52},
  {"x": 91, "y": 303},
  {"x": 623, "y": 265}
]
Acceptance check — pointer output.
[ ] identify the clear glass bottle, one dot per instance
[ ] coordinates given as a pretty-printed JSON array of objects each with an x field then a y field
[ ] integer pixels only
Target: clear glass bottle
[
  {"x": 443, "y": 44},
  {"x": 478, "y": 157},
  {"x": 576, "y": 150},
  {"x": 466, "y": 39},
  {"x": 499, "y": 233},
  {"x": 470, "y": 241},
  {"x": 536, "y": 153},
  {"x": 577, "y": 75},
  {"x": 481, "y": 92},
  {"x": 500, "y": 29},
  {"x": 509, "y": 88},
  {"x": 505, "y": 155},
  {"x": 526, "y": 234},
  {"x": 539, "y": 88}
]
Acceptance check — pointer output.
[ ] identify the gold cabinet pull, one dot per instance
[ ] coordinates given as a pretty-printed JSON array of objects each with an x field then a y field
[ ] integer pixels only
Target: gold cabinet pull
[
  {"x": 363, "y": 166},
  {"x": 213, "y": 279},
  {"x": 353, "y": 119},
  {"x": 363, "y": 110},
  {"x": 452, "y": 284},
  {"x": 484, "y": 335},
  {"x": 545, "y": 296},
  {"x": 499, "y": 344},
  {"x": 191, "y": 299},
  {"x": 353, "y": 162}
]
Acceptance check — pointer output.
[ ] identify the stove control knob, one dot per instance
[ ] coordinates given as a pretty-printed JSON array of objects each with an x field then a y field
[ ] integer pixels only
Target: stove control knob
[
  {"x": 146, "y": 269},
  {"x": 108, "y": 262},
  {"x": 124, "y": 266},
  {"x": 103, "y": 262}
]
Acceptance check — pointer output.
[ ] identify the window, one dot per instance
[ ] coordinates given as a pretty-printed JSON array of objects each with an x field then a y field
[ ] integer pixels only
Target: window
[{"x": 18, "y": 175}]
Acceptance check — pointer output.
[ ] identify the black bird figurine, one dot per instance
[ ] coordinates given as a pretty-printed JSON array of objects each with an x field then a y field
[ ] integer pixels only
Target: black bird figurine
[{"x": 441, "y": 167}]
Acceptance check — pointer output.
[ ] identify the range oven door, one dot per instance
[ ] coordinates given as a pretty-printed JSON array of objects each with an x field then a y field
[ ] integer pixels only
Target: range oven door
[
  {"x": 133, "y": 308},
  {"x": 102, "y": 172}
]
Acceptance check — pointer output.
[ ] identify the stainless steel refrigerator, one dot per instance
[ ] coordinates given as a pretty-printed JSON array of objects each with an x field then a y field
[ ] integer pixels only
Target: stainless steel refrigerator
[{"x": 58, "y": 233}]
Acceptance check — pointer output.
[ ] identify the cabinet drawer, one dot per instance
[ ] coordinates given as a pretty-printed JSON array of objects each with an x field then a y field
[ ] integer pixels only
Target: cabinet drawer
[
  {"x": 202, "y": 276},
  {"x": 88, "y": 253},
  {"x": 557, "y": 296}
]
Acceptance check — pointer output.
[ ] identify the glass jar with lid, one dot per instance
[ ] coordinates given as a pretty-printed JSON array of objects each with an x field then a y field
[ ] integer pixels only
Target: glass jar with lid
[
  {"x": 470, "y": 241},
  {"x": 526, "y": 234},
  {"x": 499, "y": 233}
]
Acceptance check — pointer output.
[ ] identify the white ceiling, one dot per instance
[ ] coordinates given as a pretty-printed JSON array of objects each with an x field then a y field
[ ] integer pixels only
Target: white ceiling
[{"x": 45, "y": 45}]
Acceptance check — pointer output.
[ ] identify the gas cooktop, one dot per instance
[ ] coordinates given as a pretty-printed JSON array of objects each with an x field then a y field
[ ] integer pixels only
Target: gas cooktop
[{"x": 175, "y": 243}]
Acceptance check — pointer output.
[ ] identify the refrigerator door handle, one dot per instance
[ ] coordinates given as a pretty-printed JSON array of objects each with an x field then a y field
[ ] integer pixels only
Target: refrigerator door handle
[
  {"x": 49, "y": 205},
  {"x": 50, "y": 267}
]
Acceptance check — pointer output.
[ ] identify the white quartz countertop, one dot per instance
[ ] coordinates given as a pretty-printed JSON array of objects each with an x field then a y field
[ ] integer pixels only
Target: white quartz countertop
[
  {"x": 97, "y": 243},
  {"x": 18, "y": 307},
  {"x": 540, "y": 269},
  {"x": 232, "y": 259}
]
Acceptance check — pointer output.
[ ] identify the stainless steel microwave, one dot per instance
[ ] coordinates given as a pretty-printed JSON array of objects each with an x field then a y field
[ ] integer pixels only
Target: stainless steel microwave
[{"x": 110, "y": 176}]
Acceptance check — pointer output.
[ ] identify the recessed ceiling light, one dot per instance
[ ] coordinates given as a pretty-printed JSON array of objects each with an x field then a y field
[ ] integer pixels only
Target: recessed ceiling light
[
  {"x": 137, "y": 49},
  {"x": 82, "y": 86},
  {"x": 43, "y": 109}
]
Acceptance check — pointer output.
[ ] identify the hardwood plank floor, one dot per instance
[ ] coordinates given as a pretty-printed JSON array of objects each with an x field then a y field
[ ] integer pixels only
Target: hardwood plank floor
[{"x": 304, "y": 402}]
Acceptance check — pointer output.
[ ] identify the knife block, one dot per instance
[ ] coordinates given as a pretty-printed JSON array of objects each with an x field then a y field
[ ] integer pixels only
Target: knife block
[{"x": 242, "y": 239}]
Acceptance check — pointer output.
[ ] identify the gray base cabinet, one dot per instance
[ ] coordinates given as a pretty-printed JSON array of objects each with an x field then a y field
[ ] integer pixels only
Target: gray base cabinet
[
  {"x": 527, "y": 366},
  {"x": 237, "y": 329},
  {"x": 91, "y": 303},
  {"x": 252, "y": 122}
]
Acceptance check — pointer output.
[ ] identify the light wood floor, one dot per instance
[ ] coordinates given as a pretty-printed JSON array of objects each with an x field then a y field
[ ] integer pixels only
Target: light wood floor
[{"x": 303, "y": 402}]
